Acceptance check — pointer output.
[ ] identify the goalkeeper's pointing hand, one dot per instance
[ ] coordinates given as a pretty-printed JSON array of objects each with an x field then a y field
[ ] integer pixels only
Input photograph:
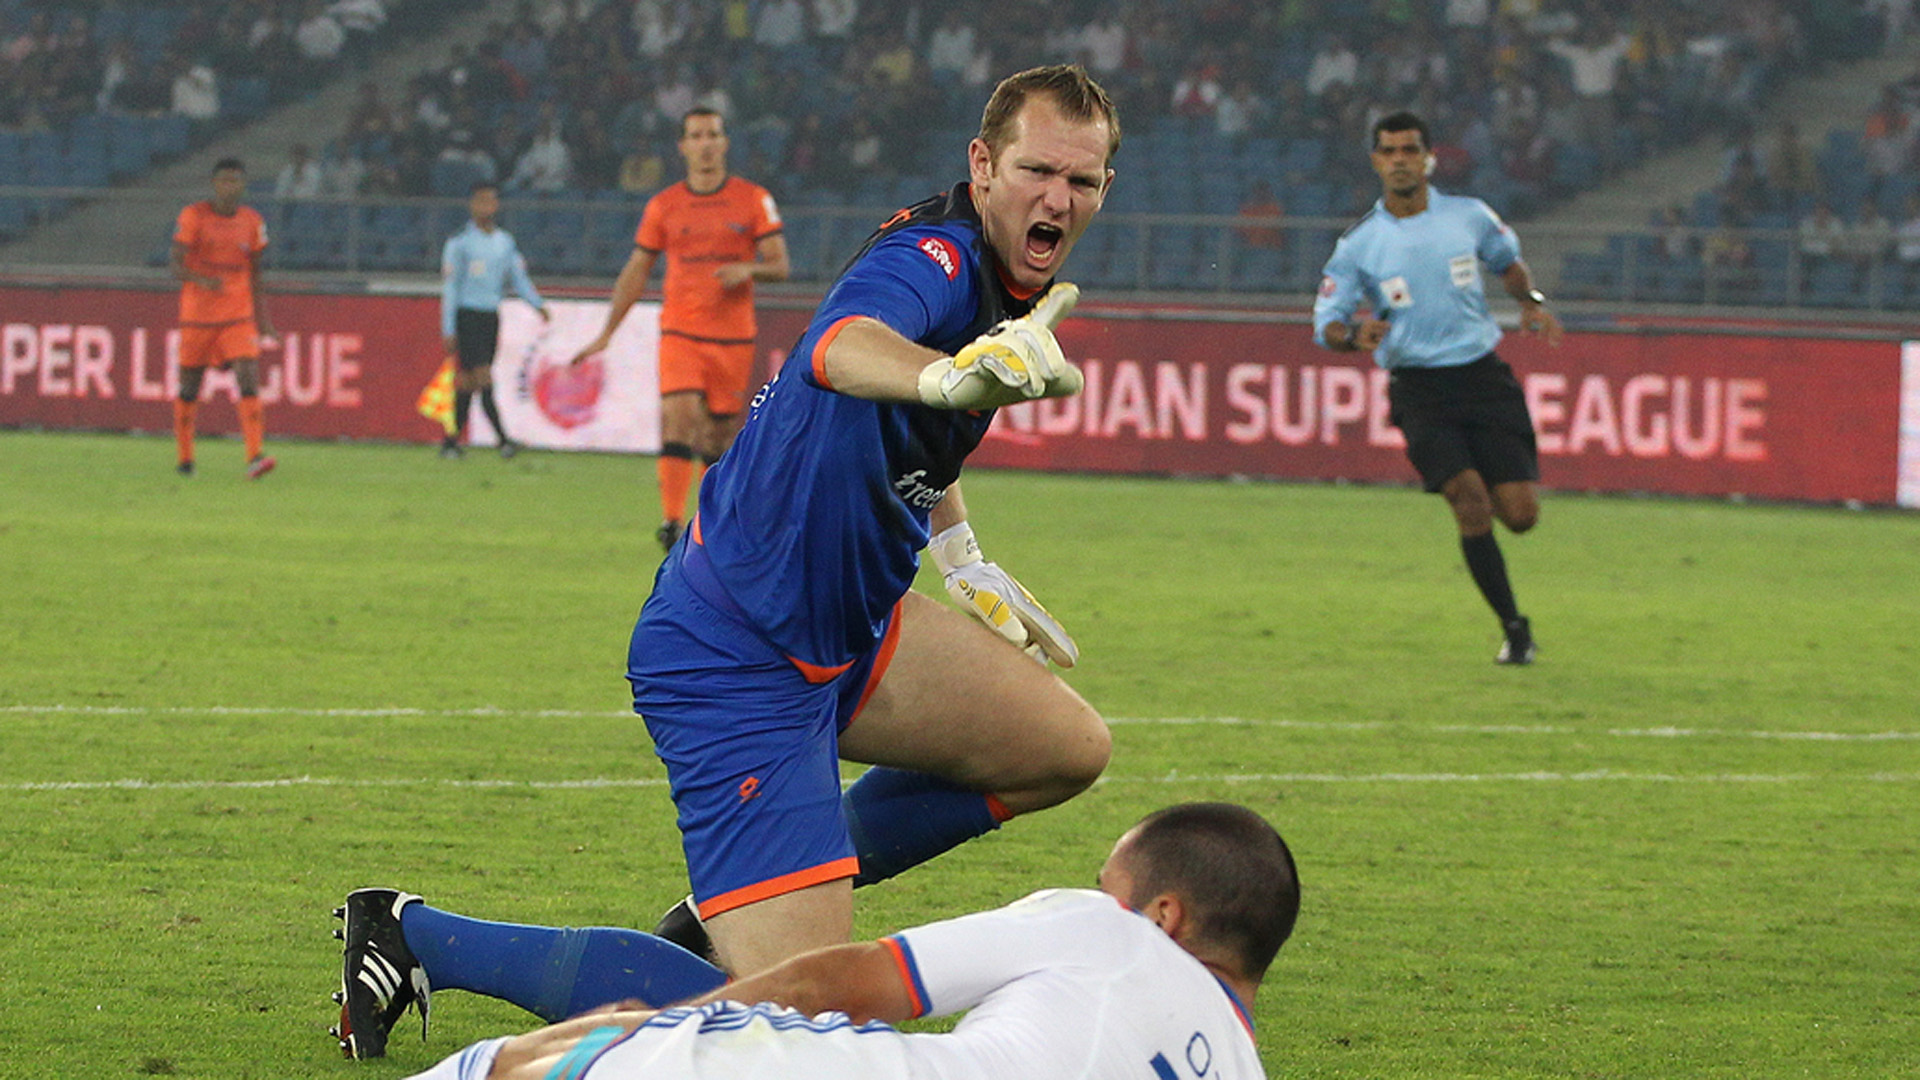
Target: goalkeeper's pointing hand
[
  {"x": 1016, "y": 361},
  {"x": 991, "y": 595}
]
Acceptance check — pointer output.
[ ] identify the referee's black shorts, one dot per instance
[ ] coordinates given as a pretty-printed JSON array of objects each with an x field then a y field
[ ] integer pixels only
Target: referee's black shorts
[
  {"x": 1470, "y": 416},
  {"x": 476, "y": 335}
]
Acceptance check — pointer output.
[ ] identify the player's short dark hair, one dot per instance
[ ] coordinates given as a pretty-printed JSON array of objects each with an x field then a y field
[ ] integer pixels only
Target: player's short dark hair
[
  {"x": 1070, "y": 88},
  {"x": 701, "y": 110},
  {"x": 483, "y": 185},
  {"x": 1229, "y": 866},
  {"x": 227, "y": 164},
  {"x": 1401, "y": 121}
]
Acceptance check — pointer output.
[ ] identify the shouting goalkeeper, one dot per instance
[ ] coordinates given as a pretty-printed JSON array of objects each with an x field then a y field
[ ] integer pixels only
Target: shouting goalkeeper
[{"x": 782, "y": 634}]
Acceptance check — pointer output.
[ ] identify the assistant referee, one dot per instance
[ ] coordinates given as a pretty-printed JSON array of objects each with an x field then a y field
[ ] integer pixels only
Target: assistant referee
[
  {"x": 479, "y": 266},
  {"x": 1414, "y": 260}
]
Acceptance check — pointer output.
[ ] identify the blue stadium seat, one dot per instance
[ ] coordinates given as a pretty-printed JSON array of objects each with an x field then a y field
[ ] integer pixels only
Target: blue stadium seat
[
  {"x": 13, "y": 216},
  {"x": 1833, "y": 283}
]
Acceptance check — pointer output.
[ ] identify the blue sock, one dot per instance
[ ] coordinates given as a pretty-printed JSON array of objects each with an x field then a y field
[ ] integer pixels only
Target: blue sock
[
  {"x": 900, "y": 819},
  {"x": 552, "y": 972}
]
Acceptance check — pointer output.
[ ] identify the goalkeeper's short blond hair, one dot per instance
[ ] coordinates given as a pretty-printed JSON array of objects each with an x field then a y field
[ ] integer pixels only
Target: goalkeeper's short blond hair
[{"x": 1070, "y": 88}]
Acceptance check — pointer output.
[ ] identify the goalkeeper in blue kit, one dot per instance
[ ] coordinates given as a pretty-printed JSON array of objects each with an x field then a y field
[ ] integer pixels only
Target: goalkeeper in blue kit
[{"x": 782, "y": 635}]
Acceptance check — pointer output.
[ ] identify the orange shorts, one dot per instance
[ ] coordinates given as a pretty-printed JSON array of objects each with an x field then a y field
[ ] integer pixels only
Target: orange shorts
[
  {"x": 218, "y": 345},
  {"x": 719, "y": 369}
]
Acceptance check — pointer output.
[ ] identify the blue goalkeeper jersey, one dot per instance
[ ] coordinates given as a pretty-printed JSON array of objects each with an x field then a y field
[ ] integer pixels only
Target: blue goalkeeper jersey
[
  {"x": 813, "y": 521},
  {"x": 1422, "y": 275}
]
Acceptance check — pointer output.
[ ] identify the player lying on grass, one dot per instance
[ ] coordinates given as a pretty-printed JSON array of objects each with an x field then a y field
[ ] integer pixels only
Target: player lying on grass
[{"x": 1154, "y": 974}]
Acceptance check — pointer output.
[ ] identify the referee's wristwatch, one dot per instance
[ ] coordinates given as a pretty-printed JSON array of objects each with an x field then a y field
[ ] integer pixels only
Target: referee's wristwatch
[{"x": 1537, "y": 297}]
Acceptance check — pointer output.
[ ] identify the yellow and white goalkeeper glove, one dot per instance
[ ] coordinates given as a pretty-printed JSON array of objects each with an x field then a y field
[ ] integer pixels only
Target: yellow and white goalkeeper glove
[
  {"x": 993, "y": 597},
  {"x": 1016, "y": 361}
]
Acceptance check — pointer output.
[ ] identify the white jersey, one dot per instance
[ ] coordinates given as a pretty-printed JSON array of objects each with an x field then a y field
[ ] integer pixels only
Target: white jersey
[{"x": 1066, "y": 984}]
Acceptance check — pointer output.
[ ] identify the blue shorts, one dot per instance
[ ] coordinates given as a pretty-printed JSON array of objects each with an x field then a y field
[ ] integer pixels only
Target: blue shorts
[{"x": 750, "y": 742}]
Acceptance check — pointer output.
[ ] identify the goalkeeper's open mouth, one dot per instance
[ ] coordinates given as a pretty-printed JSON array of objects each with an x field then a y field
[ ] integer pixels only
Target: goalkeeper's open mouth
[{"x": 1044, "y": 240}]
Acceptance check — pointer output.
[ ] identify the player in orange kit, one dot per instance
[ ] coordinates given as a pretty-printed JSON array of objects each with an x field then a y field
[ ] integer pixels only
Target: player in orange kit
[
  {"x": 216, "y": 256},
  {"x": 720, "y": 234}
]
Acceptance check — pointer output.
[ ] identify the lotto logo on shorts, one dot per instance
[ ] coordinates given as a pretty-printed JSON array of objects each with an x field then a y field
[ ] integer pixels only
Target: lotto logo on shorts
[
  {"x": 749, "y": 788},
  {"x": 944, "y": 254}
]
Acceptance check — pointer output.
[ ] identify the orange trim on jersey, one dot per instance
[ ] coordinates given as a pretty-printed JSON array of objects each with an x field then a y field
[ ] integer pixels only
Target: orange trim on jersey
[
  {"x": 820, "y": 349},
  {"x": 887, "y": 645},
  {"x": 1007, "y": 283},
  {"x": 816, "y": 674},
  {"x": 906, "y": 976},
  {"x": 780, "y": 886},
  {"x": 698, "y": 537},
  {"x": 706, "y": 340}
]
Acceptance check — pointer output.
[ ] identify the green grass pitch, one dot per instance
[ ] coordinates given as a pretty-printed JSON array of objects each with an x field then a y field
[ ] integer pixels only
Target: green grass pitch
[{"x": 1684, "y": 844}]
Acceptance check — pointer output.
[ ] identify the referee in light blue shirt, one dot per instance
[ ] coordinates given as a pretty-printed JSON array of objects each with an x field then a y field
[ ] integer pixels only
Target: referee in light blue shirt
[
  {"x": 479, "y": 267},
  {"x": 1414, "y": 261}
]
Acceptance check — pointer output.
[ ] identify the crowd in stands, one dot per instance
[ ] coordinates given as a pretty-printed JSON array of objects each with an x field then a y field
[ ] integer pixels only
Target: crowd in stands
[
  {"x": 59, "y": 62},
  {"x": 834, "y": 98},
  {"x": 1833, "y": 220}
]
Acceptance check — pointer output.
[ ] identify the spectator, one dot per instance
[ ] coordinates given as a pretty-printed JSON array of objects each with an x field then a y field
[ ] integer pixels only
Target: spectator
[
  {"x": 596, "y": 164},
  {"x": 1593, "y": 62},
  {"x": 341, "y": 171},
  {"x": 37, "y": 37},
  {"x": 1469, "y": 14},
  {"x": 196, "y": 91},
  {"x": 526, "y": 51},
  {"x": 950, "y": 48},
  {"x": 470, "y": 162},
  {"x": 1868, "y": 239},
  {"x": 1241, "y": 111},
  {"x": 362, "y": 17},
  {"x": 1888, "y": 139},
  {"x": 1727, "y": 252},
  {"x": 370, "y": 114},
  {"x": 833, "y": 28},
  {"x": 1907, "y": 236},
  {"x": 1197, "y": 94},
  {"x": 802, "y": 162},
  {"x": 118, "y": 68},
  {"x": 642, "y": 171},
  {"x": 319, "y": 36},
  {"x": 675, "y": 93},
  {"x": 892, "y": 65},
  {"x": 658, "y": 27},
  {"x": 546, "y": 166},
  {"x": 1335, "y": 64},
  {"x": 1264, "y": 206},
  {"x": 1674, "y": 240},
  {"x": 1821, "y": 234},
  {"x": 1789, "y": 167},
  {"x": 781, "y": 26},
  {"x": 300, "y": 177},
  {"x": 1103, "y": 42}
]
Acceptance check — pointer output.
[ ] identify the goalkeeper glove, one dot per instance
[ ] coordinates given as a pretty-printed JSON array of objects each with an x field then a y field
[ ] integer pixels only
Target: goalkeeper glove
[
  {"x": 1018, "y": 360},
  {"x": 994, "y": 598}
]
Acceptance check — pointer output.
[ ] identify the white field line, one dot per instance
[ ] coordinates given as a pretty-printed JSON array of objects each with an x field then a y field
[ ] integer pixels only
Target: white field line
[
  {"x": 1169, "y": 779},
  {"x": 1662, "y": 732}
]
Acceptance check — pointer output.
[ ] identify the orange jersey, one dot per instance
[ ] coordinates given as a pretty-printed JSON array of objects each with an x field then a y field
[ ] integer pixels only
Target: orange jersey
[
  {"x": 698, "y": 233},
  {"x": 222, "y": 246}
]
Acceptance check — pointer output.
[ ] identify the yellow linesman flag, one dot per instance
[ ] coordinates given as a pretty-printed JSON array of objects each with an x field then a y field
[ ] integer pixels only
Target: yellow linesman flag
[{"x": 436, "y": 400}]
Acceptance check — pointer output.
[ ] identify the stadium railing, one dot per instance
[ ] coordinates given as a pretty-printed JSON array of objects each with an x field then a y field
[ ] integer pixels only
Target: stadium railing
[{"x": 1204, "y": 255}]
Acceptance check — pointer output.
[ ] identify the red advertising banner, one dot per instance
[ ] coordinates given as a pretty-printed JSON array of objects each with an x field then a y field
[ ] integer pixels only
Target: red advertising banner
[
  {"x": 1673, "y": 411},
  {"x": 345, "y": 366}
]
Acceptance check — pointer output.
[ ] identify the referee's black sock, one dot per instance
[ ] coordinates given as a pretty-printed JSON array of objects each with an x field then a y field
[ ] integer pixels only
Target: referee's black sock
[
  {"x": 1489, "y": 569},
  {"x": 493, "y": 412},
  {"x": 462, "y": 404}
]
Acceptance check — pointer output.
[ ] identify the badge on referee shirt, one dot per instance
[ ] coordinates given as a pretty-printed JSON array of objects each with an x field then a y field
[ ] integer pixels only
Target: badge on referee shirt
[
  {"x": 1397, "y": 294},
  {"x": 1465, "y": 270}
]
